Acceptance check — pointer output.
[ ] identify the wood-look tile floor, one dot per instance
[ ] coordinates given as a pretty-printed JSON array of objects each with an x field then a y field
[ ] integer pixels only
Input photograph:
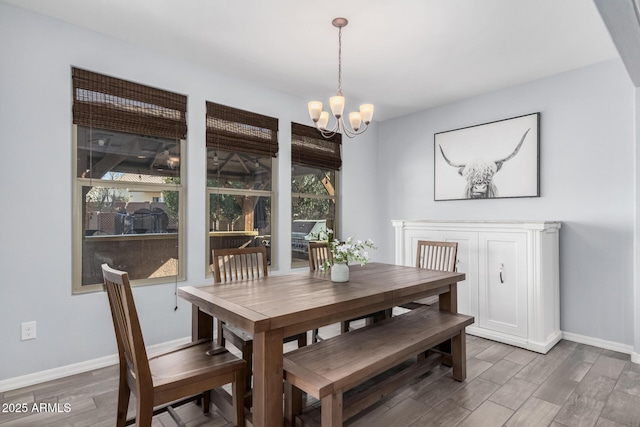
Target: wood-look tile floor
[{"x": 572, "y": 385}]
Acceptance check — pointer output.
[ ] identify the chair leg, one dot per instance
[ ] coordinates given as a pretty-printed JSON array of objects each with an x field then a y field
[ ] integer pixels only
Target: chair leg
[
  {"x": 144, "y": 410},
  {"x": 238, "y": 392},
  {"x": 344, "y": 327},
  {"x": 123, "y": 399},
  {"x": 206, "y": 402}
]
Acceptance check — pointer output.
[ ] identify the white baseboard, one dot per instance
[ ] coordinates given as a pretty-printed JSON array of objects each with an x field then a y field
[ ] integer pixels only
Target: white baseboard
[
  {"x": 537, "y": 346},
  {"x": 607, "y": 345},
  {"x": 77, "y": 368}
]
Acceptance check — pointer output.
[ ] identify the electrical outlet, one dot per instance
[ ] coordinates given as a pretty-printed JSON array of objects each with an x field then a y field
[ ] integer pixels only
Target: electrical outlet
[{"x": 28, "y": 330}]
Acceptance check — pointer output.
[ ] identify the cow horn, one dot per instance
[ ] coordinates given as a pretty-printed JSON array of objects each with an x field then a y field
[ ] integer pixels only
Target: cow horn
[
  {"x": 449, "y": 161},
  {"x": 512, "y": 155}
]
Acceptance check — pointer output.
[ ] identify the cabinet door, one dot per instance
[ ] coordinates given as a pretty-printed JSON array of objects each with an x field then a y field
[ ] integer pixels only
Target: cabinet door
[
  {"x": 467, "y": 263},
  {"x": 502, "y": 298}
]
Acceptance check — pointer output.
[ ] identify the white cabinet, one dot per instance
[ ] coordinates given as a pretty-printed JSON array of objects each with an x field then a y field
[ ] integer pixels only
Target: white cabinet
[{"x": 512, "y": 276}]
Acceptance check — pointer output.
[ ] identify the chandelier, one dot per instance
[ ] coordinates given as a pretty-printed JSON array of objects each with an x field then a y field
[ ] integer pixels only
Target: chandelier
[{"x": 356, "y": 118}]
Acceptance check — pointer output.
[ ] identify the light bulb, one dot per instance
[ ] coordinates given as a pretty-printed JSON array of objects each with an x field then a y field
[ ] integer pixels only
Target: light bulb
[
  {"x": 366, "y": 110},
  {"x": 323, "y": 120},
  {"x": 337, "y": 105},
  {"x": 356, "y": 120},
  {"x": 315, "y": 108}
]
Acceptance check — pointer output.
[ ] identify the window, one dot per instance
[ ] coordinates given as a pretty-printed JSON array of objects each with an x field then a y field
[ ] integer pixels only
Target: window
[
  {"x": 315, "y": 162},
  {"x": 241, "y": 151},
  {"x": 128, "y": 140}
]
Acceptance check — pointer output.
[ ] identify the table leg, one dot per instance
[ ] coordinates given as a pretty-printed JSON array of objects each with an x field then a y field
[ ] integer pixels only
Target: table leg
[
  {"x": 449, "y": 301},
  {"x": 201, "y": 324},
  {"x": 267, "y": 378}
]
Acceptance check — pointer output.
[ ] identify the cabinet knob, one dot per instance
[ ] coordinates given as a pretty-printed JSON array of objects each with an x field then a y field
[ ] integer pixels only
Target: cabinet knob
[{"x": 501, "y": 268}]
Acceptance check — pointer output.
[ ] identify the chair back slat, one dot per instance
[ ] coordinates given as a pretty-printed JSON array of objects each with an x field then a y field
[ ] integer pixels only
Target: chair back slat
[
  {"x": 239, "y": 263},
  {"x": 131, "y": 349},
  {"x": 318, "y": 253},
  {"x": 439, "y": 256}
]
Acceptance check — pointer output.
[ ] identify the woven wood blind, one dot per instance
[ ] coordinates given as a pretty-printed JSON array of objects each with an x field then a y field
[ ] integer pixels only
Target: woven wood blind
[
  {"x": 105, "y": 102},
  {"x": 231, "y": 129},
  {"x": 309, "y": 147}
]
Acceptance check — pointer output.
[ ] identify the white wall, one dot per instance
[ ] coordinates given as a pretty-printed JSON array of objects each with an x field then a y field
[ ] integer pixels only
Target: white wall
[
  {"x": 36, "y": 56},
  {"x": 587, "y": 182}
]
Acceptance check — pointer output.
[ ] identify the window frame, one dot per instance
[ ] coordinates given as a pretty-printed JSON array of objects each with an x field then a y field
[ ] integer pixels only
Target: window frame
[
  {"x": 336, "y": 227},
  {"x": 317, "y": 158},
  {"x": 211, "y": 191},
  {"x": 78, "y": 219}
]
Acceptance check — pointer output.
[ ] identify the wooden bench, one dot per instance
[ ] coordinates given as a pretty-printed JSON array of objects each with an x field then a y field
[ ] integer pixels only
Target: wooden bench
[{"x": 327, "y": 369}]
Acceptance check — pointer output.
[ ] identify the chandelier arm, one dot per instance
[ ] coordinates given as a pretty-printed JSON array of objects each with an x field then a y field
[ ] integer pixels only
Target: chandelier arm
[
  {"x": 327, "y": 134},
  {"x": 330, "y": 133},
  {"x": 351, "y": 133},
  {"x": 341, "y": 127}
]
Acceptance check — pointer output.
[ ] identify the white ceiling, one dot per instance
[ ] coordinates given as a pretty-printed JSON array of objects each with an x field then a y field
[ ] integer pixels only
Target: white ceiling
[{"x": 401, "y": 55}]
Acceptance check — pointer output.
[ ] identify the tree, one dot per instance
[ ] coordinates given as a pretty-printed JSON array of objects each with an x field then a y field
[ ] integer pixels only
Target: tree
[
  {"x": 307, "y": 207},
  {"x": 224, "y": 206},
  {"x": 171, "y": 198},
  {"x": 104, "y": 199}
]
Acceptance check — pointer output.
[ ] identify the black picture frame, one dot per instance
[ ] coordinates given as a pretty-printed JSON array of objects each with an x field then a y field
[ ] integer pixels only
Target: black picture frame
[{"x": 494, "y": 160}]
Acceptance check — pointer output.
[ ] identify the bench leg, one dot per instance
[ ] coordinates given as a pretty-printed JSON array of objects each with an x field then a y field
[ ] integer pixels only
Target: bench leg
[
  {"x": 459, "y": 356},
  {"x": 332, "y": 410},
  {"x": 237, "y": 394},
  {"x": 292, "y": 403}
]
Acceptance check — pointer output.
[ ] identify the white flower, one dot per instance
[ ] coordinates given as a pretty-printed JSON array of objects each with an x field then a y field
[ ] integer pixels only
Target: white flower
[{"x": 347, "y": 251}]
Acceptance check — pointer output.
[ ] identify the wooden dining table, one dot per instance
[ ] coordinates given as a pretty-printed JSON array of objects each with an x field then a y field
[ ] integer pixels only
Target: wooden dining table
[{"x": 275, "y": 307}]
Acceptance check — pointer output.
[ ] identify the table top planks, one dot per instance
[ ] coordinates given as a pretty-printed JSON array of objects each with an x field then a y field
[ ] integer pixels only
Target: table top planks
[{"x": 285, "y": 301}]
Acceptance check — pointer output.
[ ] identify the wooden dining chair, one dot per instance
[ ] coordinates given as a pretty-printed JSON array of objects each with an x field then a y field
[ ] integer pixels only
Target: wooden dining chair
[
  {"x": 235, "y": 264},
  {"x": 433, "y": 255},
  {"x": 319, "y": 253},
  {"x": 179, "y": 376}
]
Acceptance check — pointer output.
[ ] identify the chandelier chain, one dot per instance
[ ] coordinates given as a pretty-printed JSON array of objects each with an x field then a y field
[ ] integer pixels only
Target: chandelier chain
[{"x": 340, "y": 61}]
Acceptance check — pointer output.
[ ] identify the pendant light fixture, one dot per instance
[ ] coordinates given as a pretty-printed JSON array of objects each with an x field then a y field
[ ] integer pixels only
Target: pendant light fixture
[{"x": 356, "y": 119}]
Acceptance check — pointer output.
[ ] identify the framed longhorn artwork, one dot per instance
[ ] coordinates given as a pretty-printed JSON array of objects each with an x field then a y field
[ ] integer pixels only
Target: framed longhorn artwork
[{"x": 493, "y": 160}]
